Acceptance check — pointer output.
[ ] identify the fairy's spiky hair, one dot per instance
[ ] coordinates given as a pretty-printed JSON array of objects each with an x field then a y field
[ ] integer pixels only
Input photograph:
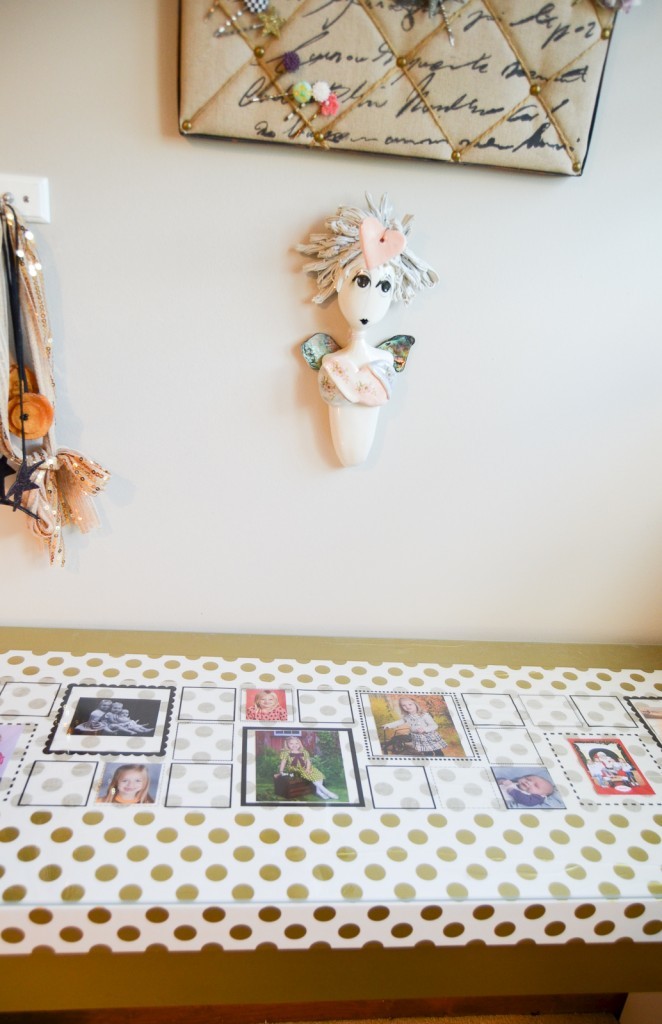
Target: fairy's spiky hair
[{"x": 338, "y": 249}]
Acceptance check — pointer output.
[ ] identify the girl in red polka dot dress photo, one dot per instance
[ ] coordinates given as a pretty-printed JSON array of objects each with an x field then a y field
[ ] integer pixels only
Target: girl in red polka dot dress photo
[{"x": 266, "y": 706}]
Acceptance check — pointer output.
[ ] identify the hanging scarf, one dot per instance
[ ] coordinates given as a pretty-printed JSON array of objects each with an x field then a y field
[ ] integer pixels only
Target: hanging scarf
[{"x": 54, "y": 486}]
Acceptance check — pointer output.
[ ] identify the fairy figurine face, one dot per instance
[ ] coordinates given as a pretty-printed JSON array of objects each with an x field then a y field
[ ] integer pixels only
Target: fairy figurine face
[{"x": 365, "y": 296}]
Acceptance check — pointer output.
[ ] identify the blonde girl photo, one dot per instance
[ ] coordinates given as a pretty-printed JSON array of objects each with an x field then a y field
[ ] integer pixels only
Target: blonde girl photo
[
  {"x": 295, "y": 760},
  {"x": 423, "y": 730},
  {"x": 265, "y": 706},
  {"x": 130, "y": 784}
]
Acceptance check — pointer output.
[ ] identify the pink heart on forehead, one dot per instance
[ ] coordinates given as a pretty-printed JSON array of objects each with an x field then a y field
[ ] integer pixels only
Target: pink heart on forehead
[{"x": 378, "y": 243}]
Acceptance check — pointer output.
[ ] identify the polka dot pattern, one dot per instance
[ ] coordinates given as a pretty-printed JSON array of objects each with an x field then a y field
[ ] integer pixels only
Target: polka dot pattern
[
  {"x": 551, "y": 710},
  {"x": 211, "y": 703},
  {"x": 433, "y": 854},
  {"x": 58, "y": 783},
  {"x": 511, "y": 746},
  {"x": 203, "y": 741},
  {"x": 199, "y": 785},
  {"x": 34, "y": 699},
  {"x": 492, "y": 709},
  {"x": 604, "y": 712},
  {"x": 325, "y": 706},
  {"x": 400, "y": 787}
]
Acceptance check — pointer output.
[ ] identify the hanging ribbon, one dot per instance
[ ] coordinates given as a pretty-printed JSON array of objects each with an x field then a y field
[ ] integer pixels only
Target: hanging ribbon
[{"x": 53, "y": 487}]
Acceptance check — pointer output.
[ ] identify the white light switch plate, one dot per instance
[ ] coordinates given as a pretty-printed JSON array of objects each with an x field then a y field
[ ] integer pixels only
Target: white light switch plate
[{"x": 30, "y": 196}]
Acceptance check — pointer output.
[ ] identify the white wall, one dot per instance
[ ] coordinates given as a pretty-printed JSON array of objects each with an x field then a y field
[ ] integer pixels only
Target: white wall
[{"x": 515, "y": 490}]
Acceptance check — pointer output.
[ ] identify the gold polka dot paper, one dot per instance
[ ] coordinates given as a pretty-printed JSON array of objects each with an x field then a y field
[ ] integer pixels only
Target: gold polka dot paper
[
  {"x": 604, "y": 712},
  {"x": 207, "y": 703},
  {"x": 59, "y": 784},
  {"x": 405, "y": 786},
  {"x": 34, "y": 699},
  {"x": 199, "y": 785},
  {"x": 325, "y": 706},
  {"x": 551, "y": 710},
  {"x": 492, "y": 709},
  {"x": 164, "y": 800},
  {"x": 203, "y": 741}
]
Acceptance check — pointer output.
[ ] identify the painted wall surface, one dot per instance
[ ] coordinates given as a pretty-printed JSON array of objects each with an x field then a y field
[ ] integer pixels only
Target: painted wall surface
[{"x": 515, "y": 489}]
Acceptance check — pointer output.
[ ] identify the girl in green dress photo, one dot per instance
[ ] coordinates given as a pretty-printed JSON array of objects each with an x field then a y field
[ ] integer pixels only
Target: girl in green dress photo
[{"x": 295, "y": 760}]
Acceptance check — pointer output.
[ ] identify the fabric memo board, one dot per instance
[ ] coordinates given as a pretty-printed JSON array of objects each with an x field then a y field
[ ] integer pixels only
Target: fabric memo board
[{"x": 505, "y": 84}]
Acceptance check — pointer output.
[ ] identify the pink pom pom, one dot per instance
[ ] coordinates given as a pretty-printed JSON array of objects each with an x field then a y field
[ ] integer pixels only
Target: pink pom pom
[{"x": 330, "y": 105}]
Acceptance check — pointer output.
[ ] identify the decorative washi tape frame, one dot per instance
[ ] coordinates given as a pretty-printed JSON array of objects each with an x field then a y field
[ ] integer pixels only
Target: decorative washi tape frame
[
  {"x": 496, "y": 82},
  {"x": 185, "y": 801}
]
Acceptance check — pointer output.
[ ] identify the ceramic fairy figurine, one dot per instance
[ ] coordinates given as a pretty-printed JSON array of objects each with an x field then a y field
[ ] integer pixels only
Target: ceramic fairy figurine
[{"x": 364, "y": 258}]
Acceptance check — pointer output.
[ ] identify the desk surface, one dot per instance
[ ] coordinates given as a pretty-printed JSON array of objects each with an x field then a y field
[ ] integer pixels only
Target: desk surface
[{"x": 488, "y": 798}]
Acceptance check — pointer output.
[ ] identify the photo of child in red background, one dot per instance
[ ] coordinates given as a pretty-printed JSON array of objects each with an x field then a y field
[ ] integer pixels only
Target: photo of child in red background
[
  {"x": 266, "y": 706},
  {"x": 611, "y": 769}
]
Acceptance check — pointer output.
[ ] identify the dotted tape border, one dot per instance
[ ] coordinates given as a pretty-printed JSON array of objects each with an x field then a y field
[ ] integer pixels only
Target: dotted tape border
[
  {"x": 19, "y": 754},
  {"x": 604, "y": 734}
]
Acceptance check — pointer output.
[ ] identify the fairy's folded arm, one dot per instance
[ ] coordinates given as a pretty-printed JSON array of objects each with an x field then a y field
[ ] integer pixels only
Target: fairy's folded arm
[{"x": 320, "y": 345}]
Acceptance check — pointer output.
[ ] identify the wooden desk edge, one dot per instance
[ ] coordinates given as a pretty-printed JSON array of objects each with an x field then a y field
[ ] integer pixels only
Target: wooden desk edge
[{"x": 375, "y": 650}]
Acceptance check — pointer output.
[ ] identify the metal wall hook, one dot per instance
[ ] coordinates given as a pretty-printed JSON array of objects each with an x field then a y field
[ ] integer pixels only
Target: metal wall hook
[{"x": 8, "y": 198}]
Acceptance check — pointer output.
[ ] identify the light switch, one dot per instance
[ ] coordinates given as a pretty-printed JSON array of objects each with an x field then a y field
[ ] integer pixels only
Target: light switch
[{"x": 30, "y": 196}]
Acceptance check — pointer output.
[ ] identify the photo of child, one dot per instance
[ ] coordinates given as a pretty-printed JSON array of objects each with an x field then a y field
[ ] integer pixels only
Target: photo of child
[
  {"x": 311, "y": 766},
  {"x": 610, "y": 768},
  {"x": 129, "y": 784},
  {"x": 106, "y": 717},
  {"x": 420, "y": 726},
  {"x": 266, "y": 705},
  {"x": 423, "y": 730},
  {"x": 112, "y": 720},
  {"x": 9, "y": 737},
  {"x": 295, "y": 761},
  {"x": 524, "y": 786}
]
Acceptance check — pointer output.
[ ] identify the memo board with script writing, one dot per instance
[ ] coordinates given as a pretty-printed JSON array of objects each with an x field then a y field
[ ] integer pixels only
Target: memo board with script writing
[{"x": 496, "y": 82}]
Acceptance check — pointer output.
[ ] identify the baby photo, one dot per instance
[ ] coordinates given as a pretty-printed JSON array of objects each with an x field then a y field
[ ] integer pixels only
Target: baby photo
[
  {"x": 414, "y": 726},
  {"x": 522, "y": 786},
  {"x": 610, "y": 768},
  {"x": 128, "y": 783},
  {"x": 309, "y": 766},
  {"x": 265, "y": 705}
]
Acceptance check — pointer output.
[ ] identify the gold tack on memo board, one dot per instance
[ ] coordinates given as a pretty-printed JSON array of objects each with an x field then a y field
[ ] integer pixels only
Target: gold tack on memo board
[{"x": 487, "y": 82}]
